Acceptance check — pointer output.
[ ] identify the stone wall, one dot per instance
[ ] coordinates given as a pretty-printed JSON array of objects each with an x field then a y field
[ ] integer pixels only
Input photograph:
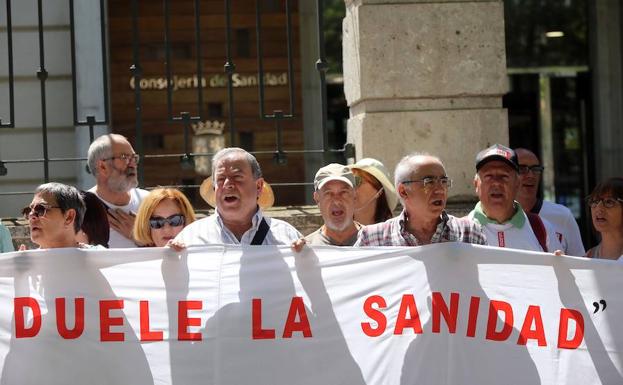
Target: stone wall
[{"x": 305, "y": 218}]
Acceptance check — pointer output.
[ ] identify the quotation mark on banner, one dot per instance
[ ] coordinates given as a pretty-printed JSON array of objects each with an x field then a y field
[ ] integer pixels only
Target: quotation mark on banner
[{"x": 596, "y": 305}]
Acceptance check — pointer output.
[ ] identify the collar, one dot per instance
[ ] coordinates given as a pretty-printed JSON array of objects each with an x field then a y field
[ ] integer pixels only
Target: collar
[
  {"x": 517, "y": 220},
  {"x": 403, "y": 218},
  {"x": 255, "y": 219}
]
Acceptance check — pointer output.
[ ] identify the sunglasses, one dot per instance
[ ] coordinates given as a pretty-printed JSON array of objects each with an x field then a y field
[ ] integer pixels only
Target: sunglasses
[
  {"x": 174, "y": 220},
  {"x": 536, "y": 170},
  {"x": 606, "y": 202},
  {"x": 38, "y": 210}
]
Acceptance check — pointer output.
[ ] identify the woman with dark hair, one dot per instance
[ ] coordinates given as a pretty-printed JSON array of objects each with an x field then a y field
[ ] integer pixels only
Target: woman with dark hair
[
  {"x": 376, "y": 195},
  {"x": 606, "y": 203},
  {"x": 94, "y": 230}
]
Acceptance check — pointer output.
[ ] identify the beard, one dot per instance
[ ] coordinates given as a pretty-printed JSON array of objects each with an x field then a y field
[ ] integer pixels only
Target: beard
[
  {"x": 123, "y": 181},
  {"x": 338, "y": 226}
]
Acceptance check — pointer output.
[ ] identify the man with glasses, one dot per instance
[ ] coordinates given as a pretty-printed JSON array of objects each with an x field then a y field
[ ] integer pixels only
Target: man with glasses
[
  {"x": 422, "y": 186},
  {"x": 113, "y": 163},
  {"x": 502, "y": 218},
  {"x": 559, "y": 216}
]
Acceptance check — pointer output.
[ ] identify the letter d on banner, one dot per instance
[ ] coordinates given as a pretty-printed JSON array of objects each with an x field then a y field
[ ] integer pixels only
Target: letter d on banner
[
  {"x": 563, "y": 329},
  {"x": 21, "y": 331}
]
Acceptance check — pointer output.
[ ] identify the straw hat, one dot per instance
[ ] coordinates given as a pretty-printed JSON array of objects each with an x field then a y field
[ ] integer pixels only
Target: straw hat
[
  {"x": 265, "y": 200},
  {"x": 378, "y": 170}
]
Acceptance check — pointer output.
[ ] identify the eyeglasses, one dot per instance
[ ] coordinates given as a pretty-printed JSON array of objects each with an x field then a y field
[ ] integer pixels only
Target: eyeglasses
[
  {"x": 38, "y": 210},
  {"x": 536, "y": 169},
  {"x": 174, "y": 220},
  {"x": 127, "y": 158},
  {"x": 430, "y": 181},
  {"x": 606, "y": 202}
]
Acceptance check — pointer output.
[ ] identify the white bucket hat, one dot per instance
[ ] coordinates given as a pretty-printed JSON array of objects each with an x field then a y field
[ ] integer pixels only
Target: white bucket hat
[{"x": 378, "y": 170}]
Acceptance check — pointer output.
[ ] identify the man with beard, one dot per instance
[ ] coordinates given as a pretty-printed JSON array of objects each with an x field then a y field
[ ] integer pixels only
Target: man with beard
[
  {"x": 559, "y": 216},
  {"x": 113, "y": 162},
  {"x": 502, "y": 218},
  {"x": 237, "y": 191},
  {"x": 422, "y": 186},
  {"x": 335, "y": 195}
]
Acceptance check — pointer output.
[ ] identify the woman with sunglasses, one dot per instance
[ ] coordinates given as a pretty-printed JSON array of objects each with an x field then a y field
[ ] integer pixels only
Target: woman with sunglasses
[
  {"x": 376, "y": 195},
  {"x": 161, "y": 216},
  {"x": 55, "y": 216},
  {"x": 606, "y": 203}
]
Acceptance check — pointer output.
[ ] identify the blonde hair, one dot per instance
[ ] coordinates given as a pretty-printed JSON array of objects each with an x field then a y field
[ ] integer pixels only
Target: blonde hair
[{"x": 142, "y": 230}]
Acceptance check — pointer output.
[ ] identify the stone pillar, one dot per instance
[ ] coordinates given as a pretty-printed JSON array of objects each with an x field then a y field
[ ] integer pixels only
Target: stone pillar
[
  {"x": 606, "y": 55},
  {"x": 426, "y": 76}
]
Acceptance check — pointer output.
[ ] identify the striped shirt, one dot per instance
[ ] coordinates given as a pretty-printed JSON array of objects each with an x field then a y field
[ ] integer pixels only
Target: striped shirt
[{"x": 393, "y": 232}]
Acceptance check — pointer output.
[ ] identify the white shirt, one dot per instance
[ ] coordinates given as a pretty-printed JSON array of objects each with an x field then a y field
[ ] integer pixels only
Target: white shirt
[
  {"x": 118, "y": 241},
  {"x": 211, "y": 230},
  {"x": 515, "y": 233},
  {"x": 565, "y": 227}
]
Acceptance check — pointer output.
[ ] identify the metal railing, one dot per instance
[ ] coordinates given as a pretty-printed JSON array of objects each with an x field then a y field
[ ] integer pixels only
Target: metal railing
[{"x": 183, "y": 118}]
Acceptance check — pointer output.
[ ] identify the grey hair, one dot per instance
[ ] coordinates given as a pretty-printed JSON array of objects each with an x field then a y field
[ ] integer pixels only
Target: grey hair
[
  {"x": 255, "y": 166},
  {"x": 404, "y": 168},
  {"x": 101, "y": 148},
  {"x": 67, "y": 197}
]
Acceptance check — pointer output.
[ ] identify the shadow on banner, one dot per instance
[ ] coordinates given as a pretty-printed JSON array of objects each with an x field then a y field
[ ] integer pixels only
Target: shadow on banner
[
  {"x": 229, "y": 355},
  {"x": 46, "y": 275}
]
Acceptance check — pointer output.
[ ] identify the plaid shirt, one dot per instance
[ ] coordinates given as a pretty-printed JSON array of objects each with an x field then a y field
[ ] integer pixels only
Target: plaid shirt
[{"x": 393, "y": 232}]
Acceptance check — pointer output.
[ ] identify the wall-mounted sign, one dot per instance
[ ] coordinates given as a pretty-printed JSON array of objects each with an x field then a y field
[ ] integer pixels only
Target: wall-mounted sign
[
  {"x": 159, "y": 83},
  {"x": 208, "y": 138}
]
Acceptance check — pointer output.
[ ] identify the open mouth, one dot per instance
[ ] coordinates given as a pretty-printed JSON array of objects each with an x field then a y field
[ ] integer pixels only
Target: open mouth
[
  {"x": 337, "y": 212},
  {"x": 497, "y": 195},
  {"x": 437, "y": 202},
  {"x": 230, "y": 198}
]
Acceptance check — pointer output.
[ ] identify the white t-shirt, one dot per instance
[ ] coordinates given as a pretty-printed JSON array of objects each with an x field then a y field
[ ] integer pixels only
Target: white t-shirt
[
  {"x": 515, "y": 233},
  {"x": 565, "y": 226},
  {"x": 118, "y": 241}
]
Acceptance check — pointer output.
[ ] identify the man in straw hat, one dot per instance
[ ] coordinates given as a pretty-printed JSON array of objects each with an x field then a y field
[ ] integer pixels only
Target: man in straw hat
[
  {"x": 238, "y": 192},
  {"x": 422, "y": 186}
]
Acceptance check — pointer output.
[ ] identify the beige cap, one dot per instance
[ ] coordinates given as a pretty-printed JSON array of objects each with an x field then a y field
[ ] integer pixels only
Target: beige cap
[
  {"x": 266, "y": 199},
  {"x": 378, "y": 170},
  {"x": 334, "y": 171}
]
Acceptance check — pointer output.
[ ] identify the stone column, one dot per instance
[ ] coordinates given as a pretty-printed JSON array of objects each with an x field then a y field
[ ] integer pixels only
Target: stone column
[
  {"x": 606, "y": 48},
  {"x": 426, "y": 76}
]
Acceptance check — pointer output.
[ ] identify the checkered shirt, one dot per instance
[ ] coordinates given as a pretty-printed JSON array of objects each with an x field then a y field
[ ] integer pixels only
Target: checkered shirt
[{"x": 393, "y": 232}]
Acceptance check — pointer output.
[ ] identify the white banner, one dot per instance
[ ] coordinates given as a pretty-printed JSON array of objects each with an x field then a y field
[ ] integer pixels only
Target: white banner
[{"x": 441, "y": 314}]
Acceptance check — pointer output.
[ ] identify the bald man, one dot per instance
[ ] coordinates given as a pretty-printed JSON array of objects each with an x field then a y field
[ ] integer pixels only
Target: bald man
[{"x": 559, "y": 216}]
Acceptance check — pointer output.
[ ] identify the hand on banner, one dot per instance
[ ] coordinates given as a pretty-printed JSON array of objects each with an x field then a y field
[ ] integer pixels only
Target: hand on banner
[
  {"x": 175, "y": 245},
  {"x": 121, "y": 221},
  {"x": 22, "y": 247},
  {"x": 298, "y": 245},
  {"x": 559, "y": 253}
]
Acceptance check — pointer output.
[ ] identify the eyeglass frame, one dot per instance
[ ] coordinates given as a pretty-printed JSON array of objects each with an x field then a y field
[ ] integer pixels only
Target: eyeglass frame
[
  {"x": 157, "y": 223},
  {"x": 26, "y": 211},
  {"x": 126, "y": 158},
  {"x": 428, "y": 181},
  {"x": 536, "y": 169},
  {"x": 593, "y": 203}
]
